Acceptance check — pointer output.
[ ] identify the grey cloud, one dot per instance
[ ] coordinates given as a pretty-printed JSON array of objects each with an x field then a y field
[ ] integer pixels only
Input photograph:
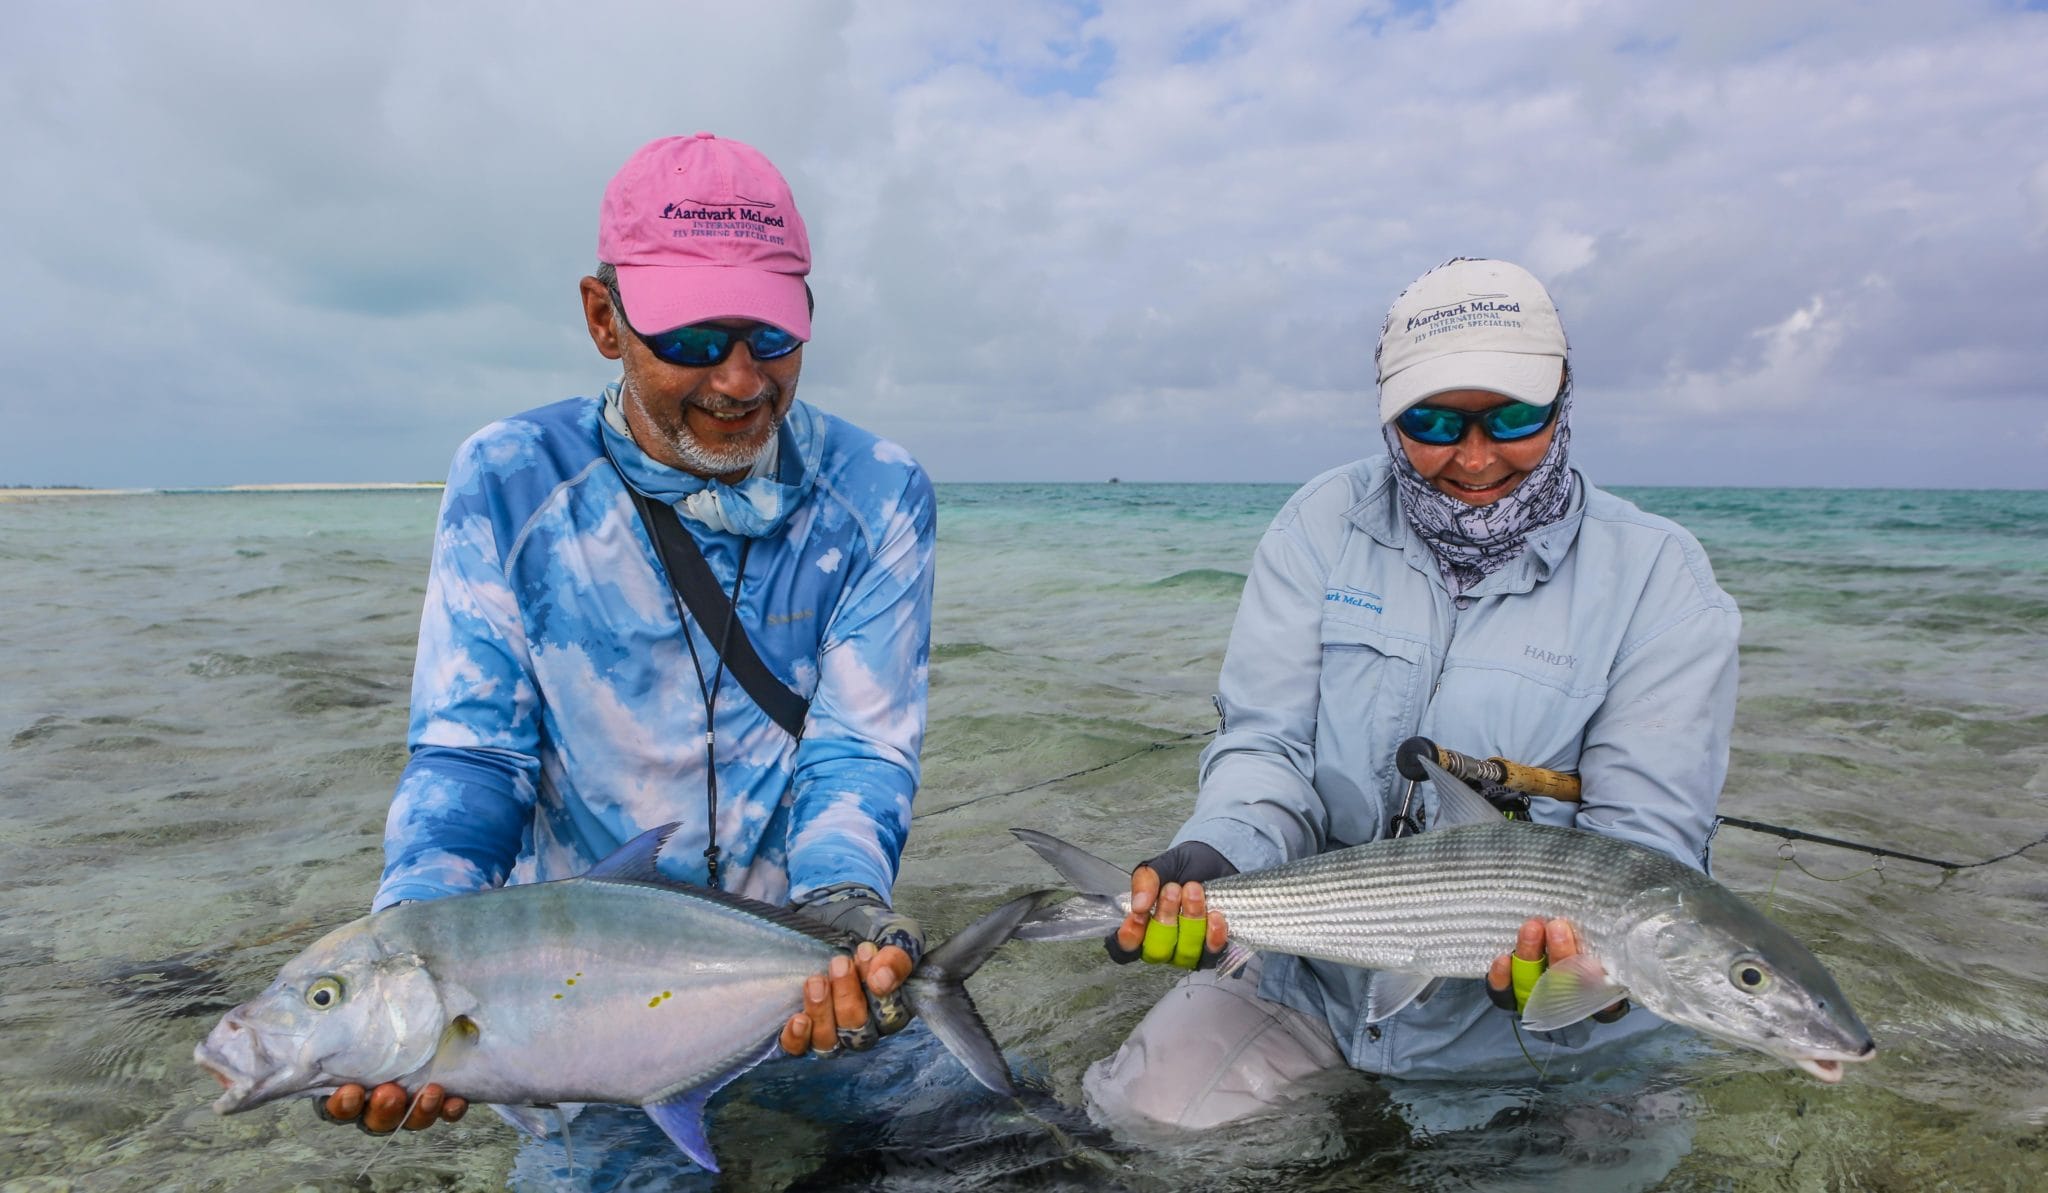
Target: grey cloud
[{"x": 261, "y": 243}]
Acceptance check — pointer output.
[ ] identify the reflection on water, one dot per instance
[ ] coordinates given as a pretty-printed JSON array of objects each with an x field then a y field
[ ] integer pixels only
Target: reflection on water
[{"x": 201, "y": 732}]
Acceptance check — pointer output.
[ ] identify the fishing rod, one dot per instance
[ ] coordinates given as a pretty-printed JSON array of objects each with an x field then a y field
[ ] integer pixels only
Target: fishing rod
[{"x": 1508, "y": 785}]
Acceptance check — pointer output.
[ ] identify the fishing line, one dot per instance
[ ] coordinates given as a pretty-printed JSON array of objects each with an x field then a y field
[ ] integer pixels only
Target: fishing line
[
  {"x": 461, "y": 1031},
  {"x": 1771, "y": 894},
  {"x": 1086, "y": 770},
  {"x": 1877, "y": 869},
  {"x": 1522, "y": 1042}
]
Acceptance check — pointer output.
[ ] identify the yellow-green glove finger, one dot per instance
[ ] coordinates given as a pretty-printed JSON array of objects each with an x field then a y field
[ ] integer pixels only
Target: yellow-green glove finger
[
  {"x": 1193, "y": 930},
  {"x": 1160, "y": 941},
  {"x": 1523, "y": 974}
]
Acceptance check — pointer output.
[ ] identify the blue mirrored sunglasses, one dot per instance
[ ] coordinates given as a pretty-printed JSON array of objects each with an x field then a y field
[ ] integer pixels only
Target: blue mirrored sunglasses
[
  {"x": 701, "y": 345},
  {"x": 1441, "y": 427}
]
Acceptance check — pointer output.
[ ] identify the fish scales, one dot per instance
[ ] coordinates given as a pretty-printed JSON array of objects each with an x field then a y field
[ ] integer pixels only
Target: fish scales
[{"x": 1442, "y": 900}]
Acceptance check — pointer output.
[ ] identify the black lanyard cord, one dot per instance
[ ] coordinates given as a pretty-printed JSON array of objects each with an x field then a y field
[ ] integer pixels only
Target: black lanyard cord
[{"x": 709, "y": 692}]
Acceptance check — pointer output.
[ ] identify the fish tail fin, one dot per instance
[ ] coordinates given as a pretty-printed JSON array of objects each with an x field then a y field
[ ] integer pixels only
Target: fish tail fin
[
  {"x": 1085, "y": 872},
  {"x": 937, "y": 992},
  {"x": 1104, "y": 892}
]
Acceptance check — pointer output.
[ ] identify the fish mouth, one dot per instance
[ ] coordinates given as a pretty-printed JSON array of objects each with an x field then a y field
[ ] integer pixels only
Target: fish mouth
[
  {"x": 247, "y": 1080},
  {"x": 1827, "y": 1066},
  {"x": 237, "y": 1086}
]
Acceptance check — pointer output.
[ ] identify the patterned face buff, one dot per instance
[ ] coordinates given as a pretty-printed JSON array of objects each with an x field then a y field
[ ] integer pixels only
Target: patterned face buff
[{"x": 1471, "y": 542}]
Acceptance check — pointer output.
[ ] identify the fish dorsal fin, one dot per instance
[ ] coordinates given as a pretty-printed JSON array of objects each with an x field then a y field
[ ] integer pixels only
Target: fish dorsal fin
[
  {"x": 634, "y": 863},
  {"x": 636, "y": 860},
  {"x": 1390, "y": 993},
  {"x": 681, "y": 1116},
  {"x": 1456, "y": 804},
  {"x": 787, "y": 917},
  {"x": 1568, "y": 992}
]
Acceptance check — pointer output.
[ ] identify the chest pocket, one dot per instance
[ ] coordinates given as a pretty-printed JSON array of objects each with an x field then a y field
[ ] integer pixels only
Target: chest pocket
[{"x": 1372, "y": 692}]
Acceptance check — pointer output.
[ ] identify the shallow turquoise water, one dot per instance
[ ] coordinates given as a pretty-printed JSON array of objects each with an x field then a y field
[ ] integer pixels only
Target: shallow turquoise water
[{"x": 203, "y": 711}]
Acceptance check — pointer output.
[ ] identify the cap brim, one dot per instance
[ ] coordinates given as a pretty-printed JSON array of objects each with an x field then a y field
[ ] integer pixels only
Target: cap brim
[
  {"x": 661, "y": 297},
  {"x": 1523, "y": 376}
]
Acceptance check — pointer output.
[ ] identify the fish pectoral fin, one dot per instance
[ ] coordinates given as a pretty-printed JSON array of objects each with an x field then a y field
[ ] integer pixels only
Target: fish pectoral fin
[
  {"x": 681, "y": 1118},
  {"x": 531, "y": 1119},
  {"x": 1235, "y": 958},
  {"x": 1569, "y": 991},
  {"x": 1388, "y": 993}
]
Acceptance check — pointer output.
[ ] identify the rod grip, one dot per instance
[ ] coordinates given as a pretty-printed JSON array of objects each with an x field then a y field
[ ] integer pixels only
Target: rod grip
[
  {"x": 1515, "y": 776},
  {"x": 1534, "y": 780}
]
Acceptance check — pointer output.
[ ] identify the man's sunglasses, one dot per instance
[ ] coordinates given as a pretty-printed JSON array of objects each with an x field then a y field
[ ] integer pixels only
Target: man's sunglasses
[
  {"x": 702, "y": 345},
  {"x": 1441, "y": 427}
]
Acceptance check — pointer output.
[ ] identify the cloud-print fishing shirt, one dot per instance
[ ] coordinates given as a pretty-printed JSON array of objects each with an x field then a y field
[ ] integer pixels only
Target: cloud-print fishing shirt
[{"x": 555, "y": 710}]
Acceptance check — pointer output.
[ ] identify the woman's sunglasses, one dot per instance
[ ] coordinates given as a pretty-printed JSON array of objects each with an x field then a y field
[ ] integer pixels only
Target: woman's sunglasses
[
  {"x": 1441, "y": 427},
  {"x": 702, "y": 345}
]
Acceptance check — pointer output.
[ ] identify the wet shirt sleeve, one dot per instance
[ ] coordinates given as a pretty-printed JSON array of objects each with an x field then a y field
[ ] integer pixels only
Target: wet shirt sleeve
[
  {"x": 1257, "y": 803},
  {"x": 1656, "y": 751},
  {"x": 857, "y": 767},
  {"x": 467, "y": 793}
]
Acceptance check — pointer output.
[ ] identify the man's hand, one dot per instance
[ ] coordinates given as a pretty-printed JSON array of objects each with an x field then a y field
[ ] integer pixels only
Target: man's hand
[
  {"x": 1165, "y": 892},
  {"x": 837, "y": 1000},
  {"x": 378, "y": 1110},
  {"x": 1538, "y": 945}
]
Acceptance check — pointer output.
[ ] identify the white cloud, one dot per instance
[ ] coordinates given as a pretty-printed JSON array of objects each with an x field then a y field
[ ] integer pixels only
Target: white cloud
[
  {"x": 1052, "y": 240},
  {"x": 1793, "y": 358},
  {"x": 2036, "y": 188}
]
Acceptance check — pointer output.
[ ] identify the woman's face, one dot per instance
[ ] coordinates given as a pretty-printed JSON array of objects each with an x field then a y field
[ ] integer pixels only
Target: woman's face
[{"x": 1476, "y": 470}]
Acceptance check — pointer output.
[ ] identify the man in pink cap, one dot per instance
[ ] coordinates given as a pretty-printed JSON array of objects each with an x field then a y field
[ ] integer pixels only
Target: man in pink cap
[{"x": 690, "y": 598}]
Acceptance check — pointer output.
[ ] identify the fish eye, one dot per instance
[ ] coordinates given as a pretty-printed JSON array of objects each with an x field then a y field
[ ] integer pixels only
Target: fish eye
[
  {"x": 324, "y": 994},
  {"x": 1749, "y": 975}
]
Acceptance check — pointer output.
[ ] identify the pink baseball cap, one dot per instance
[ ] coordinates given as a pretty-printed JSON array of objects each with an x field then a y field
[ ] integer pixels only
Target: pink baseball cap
[{"x": 705, "y": 228}]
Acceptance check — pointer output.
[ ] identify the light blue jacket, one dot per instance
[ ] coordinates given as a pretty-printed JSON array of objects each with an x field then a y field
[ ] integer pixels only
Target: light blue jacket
[
  {"x": 555, "y": 711},
  {"x": 1606, "y": 649}
]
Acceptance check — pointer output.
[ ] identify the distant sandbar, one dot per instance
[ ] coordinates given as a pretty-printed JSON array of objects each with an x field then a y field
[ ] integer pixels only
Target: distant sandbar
[{"x": 293, "y": 487}]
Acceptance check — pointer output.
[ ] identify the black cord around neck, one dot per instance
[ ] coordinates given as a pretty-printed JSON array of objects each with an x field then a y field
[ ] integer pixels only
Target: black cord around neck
[{"x": 709, "y": 692}]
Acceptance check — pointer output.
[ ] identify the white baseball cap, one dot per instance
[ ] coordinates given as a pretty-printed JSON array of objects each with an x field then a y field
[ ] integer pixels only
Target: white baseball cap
[{"x": 1471, "y": 323}]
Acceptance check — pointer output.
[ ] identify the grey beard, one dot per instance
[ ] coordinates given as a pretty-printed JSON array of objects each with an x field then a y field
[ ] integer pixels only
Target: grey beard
[{"x": 699, "y": 457}]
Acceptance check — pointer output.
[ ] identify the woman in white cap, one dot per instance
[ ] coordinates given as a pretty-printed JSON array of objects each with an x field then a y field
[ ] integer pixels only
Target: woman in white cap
[{"x": 1471, "y": 587}]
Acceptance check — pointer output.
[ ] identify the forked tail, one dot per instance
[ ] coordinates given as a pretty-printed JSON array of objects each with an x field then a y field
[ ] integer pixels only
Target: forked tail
[
  {"x": 937, "y": 994},
  {"x": 1103, "y": 891}
]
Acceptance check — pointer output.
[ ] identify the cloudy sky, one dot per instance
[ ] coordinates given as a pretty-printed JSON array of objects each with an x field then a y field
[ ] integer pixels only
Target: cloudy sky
[{"x": 1793, "y": 243}]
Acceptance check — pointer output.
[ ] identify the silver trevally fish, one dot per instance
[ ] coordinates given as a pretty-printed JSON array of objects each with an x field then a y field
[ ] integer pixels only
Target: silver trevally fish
[
  {"x": 617, "y": 986},
  {"x": 1445, "y": 903}
]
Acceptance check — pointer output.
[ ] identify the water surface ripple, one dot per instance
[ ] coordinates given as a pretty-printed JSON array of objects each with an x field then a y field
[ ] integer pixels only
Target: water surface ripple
[{"x": 204, "y": 709}]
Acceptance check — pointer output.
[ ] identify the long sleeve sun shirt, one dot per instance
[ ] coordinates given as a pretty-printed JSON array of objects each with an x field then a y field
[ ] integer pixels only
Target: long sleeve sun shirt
[{"x": 556, "y": 713}]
